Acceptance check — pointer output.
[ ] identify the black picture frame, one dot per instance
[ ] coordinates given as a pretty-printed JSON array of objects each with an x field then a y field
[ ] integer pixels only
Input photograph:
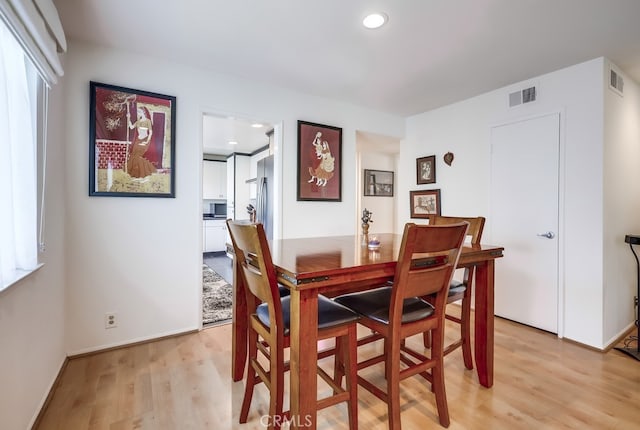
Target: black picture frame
[
  {"x": 424, "y": 203},
  {"x": 378, "y": 183},
  {"x": 319, "y": 176},
  {"x": 426, "y": 170},
  {"x": 131, "y": 142}
]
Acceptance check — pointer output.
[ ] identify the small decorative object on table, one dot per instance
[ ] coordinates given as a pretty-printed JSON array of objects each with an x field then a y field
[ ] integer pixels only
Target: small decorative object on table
[
  {"x": 374, "y": 243},
  {"x": 366, "y": 219}
]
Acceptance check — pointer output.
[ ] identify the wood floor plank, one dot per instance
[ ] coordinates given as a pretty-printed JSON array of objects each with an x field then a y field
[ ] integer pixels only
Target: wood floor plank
[{"x": 185, "y": 383}]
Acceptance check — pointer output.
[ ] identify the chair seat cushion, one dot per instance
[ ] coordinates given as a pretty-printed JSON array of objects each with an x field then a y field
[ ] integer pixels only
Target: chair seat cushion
[
  {"x": 330, "y": 313},
  {"x": 456, "y": 287},
  {"x": 284, "y": 291},
  {"x": 374, "y": 304}
]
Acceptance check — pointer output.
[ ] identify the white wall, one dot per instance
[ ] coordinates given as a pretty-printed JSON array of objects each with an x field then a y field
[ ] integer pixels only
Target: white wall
[
  {"x": 621, "y": 203},
  {"x": 32, "y": 311},
  {"x": 463, "y": 128},
  {"x": 141, "y": 257}
]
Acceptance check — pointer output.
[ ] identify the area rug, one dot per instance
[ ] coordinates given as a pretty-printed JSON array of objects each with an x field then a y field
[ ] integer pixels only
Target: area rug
[{"x": 216, "y": 297}]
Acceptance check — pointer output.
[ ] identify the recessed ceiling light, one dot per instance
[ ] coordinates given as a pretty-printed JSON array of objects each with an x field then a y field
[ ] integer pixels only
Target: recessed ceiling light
[
  {"x": 233, "y": 142},
  {"x": 256, "y": 125},
  {"x": 375, "y": 20}
]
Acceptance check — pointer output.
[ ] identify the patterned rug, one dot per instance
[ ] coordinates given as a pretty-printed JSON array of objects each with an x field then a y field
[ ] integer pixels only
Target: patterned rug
[{"x": 216, "y": 297}]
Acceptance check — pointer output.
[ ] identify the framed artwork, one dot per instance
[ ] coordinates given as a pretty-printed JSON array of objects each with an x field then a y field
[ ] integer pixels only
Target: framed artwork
[
  {"x": 426, "y": 170},
  {"x": 319, "y": 162},
  {"x": 131, "y": 142},
  {"x": 378, "y": 183},
  {"x": 424, "y": 203}
]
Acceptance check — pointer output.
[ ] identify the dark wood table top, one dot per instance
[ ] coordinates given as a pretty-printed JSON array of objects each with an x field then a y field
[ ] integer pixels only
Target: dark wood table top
[{"x": 319, "y": 261}]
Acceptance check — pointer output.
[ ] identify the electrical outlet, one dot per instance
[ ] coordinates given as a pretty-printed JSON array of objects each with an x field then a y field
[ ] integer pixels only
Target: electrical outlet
[{"x": 110, "y": 320}]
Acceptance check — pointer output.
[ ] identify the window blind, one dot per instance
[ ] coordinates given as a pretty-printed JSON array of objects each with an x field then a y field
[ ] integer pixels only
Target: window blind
[{"x": 37, "y": 26}]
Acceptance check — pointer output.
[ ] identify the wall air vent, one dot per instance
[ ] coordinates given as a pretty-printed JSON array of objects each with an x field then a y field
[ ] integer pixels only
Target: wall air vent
[
  {"x": 527, "y": 95},
  {"x": 616, "y": 83}
]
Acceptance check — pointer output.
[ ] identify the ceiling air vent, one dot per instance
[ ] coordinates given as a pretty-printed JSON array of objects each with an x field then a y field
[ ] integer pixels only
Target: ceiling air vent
[
  {"x": 616, "y": 83},
  {"x": 527, "y": 95}
]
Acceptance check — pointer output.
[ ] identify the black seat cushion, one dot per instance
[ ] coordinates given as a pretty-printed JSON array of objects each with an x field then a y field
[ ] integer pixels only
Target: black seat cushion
[
  {"x": 330, "y": 313},
  {"x": 374, "y": 304},
  {"x": 456, "y": 287},
  {"x": 284, "y": 291}
]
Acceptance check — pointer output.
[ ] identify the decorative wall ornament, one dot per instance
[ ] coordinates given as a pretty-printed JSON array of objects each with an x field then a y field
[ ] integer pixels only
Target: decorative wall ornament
[{"x": 448, "y": 158}]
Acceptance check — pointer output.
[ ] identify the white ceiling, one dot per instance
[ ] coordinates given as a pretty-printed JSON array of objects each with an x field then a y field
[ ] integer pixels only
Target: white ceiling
[
  {"x": 430, "y": 53},
  {"x": 217, "y": 132}
]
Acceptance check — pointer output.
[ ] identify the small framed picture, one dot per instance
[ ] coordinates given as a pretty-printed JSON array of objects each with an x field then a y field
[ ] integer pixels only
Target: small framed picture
[
  {"x": 378, "y": 183},
  {"x": 319, "y": 162},
  {"x": 424, "y": 203},
  {"x": 426, "y": 170},
  {"x": 132, "y": 136}
]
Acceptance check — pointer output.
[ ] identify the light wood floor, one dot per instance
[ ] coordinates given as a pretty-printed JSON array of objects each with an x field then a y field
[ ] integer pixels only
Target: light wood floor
[{"x": 184, "y": 383}]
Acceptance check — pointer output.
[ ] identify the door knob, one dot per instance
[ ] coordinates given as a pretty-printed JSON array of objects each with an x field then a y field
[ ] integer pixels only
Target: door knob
[{"x": 548, "y": 235}]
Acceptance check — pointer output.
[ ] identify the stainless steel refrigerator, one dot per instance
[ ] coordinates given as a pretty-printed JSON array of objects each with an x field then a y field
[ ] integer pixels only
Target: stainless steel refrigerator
[{"x": 264, "y": 198}]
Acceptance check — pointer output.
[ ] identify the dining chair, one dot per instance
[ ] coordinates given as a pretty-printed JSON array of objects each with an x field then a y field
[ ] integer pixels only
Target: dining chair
[
  {"x": 427, "y": 260},
  {"x": 460, "y": 290},
  {"x": 269, "y": 328}
]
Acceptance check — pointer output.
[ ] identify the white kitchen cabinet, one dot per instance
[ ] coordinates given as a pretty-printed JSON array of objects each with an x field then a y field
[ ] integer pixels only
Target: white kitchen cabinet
[
  {"x": 214, "y": 235},
  {"x": 237, "y": 188},
  {"x": 214, "y": 180}
]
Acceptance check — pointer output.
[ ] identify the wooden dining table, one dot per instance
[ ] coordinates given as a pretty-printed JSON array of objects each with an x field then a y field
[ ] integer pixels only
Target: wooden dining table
[{"x": 340, "y": 264}]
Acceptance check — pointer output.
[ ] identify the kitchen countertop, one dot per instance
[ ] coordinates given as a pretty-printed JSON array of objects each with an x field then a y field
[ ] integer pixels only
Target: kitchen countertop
[{"x": 209, "y": 216}]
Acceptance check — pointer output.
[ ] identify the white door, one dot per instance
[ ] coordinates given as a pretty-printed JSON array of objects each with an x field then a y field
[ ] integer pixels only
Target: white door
[{"x": 524, "y": 219}]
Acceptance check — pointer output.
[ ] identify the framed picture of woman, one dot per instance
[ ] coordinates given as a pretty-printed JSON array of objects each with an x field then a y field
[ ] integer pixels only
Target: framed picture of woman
[
  {"x": 131, "y": 142},
  {"x": 426, "y": 170},
  {"x": 319, "y": 162}
]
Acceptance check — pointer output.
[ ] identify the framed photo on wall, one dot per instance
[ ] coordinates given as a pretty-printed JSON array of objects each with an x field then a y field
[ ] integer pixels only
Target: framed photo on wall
[
  {"x": 378, "y": 183},
  {"x": 424, "y": 203},
  {"x": 131, "y": 142},
  {"x": 319, "y": 162},
  {"x": 426, "y": 170}
]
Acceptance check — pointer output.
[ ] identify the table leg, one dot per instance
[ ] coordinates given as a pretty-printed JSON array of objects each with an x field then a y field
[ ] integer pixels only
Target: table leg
[
  {"x": 304, "y": 358},
  {"x": 484, "y": 322},
  {"x": 239, "y": 326}
]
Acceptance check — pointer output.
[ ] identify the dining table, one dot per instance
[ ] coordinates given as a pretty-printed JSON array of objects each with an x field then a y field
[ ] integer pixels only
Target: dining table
[{"x": 340, "y": 264}]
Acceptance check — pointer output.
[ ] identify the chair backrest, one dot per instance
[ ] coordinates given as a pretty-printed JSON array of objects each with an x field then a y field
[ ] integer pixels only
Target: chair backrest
[
  {"x": 253, "y": 257},
  {"x": 428, "y": 257},
  {"x": 476, "y": 225}
]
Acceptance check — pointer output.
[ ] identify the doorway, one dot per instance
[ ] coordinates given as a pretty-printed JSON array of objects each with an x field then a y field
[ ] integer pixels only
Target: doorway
[
  {"x": 231, "y": 147},
  {"x": 379, "y": 153},
  {"x": 524, "y": 213}
]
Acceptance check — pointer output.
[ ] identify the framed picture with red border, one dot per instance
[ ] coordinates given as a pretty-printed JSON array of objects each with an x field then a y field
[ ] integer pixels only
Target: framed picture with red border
[
  {"x": 131, "y": 142},
  {"x": 319, "y": 162}
]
